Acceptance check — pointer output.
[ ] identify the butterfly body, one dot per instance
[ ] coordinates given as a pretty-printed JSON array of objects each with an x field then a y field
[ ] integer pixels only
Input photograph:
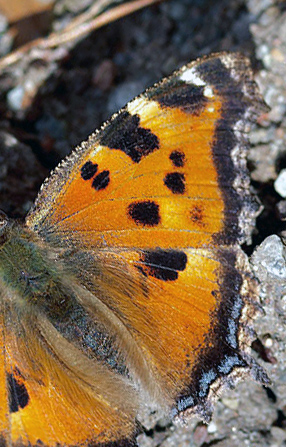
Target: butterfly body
[
  {"x": 24, "y": 266},
  {"x": 127, "y": 283}
]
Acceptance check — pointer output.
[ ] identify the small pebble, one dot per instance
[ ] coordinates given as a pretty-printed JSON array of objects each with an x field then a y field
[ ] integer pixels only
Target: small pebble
[
  {"x": 280, "y": 184},
  {"x": 212, "y": 428},
  {"x": 281, "y": 209},
  {"x": 269, "y": 258},
  {"x": 15, "y": 98}
]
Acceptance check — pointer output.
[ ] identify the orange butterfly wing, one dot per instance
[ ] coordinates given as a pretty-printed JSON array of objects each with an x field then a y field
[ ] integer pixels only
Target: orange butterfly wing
[
  {"x": 148, "y": 215},
  {"x": 111, "y": 182},
  {"x": 46, "y": 402}
]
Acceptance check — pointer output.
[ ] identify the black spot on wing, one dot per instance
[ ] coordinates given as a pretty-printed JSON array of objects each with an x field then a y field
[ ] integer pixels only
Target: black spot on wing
[
  {"x": 163, "y": 264},
  {"x": 88, "y": 170},
  {"x": 101, "y": 181},
  {"x": 124, "y": 133},
  {"x": 18, "y": 394},
  {"x": 177, "y": 158},
  {"x": 197, "y": 215},
  {"x": 175, "y": 181},
  {"x": 144, "y": 213},
  {"x": 176, "y": 93}
]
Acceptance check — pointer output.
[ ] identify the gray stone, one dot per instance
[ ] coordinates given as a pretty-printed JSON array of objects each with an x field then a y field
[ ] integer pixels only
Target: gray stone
[{"x": 280, "y": 184}]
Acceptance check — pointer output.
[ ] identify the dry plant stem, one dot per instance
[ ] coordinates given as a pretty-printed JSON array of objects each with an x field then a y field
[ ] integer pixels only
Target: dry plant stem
[
  {"x": 78, "y": 28},
  {"x": 91, "y": 13}
]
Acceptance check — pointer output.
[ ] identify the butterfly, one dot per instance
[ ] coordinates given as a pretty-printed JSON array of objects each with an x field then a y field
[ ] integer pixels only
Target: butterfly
[{"x": 127, "y": 284}]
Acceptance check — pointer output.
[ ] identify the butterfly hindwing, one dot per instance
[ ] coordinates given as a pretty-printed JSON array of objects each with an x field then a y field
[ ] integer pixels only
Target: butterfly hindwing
[{"x": 52, "y": 387}]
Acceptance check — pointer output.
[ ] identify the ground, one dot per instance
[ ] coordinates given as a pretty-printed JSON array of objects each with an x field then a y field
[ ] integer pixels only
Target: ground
[{"x": 82, "y": 86}]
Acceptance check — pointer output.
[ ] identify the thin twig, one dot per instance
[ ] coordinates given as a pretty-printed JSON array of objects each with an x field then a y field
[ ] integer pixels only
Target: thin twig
[
  {"x": 77, "y": 29},
  {"x": 91, "y": 13}
]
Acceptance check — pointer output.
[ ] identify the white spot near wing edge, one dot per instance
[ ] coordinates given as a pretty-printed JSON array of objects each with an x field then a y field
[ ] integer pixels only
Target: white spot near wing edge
[
  {"x": 192, "y": 77},
  {"x": 208, "y": 92}
]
